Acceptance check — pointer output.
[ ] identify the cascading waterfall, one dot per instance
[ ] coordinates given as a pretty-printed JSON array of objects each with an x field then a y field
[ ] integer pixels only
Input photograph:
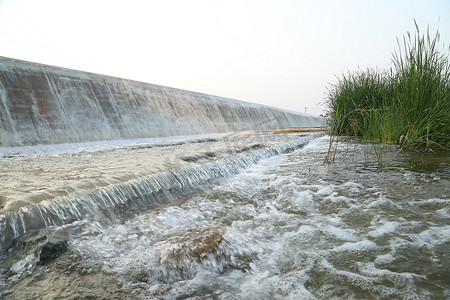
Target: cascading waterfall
[{"x": 120, "y": 201}]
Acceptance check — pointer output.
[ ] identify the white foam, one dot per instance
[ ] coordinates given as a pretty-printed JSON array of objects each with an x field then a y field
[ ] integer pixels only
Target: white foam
[
  {"x": 384, "y": 229},
  {"x": 444, "y": 213},
  {"x": 434, "y": 235},
  {"x": 384, "y": 259},
  {"x": 326, "y": 190},
  {"x": 339, "y": 233},
  {"x": 24, "y": 265},
  {"x": 317, "y": 145},
  {"x": 306, "y": 230},
  {"x": 370, "y": 270},
  {"x": 356, "y": 247}
]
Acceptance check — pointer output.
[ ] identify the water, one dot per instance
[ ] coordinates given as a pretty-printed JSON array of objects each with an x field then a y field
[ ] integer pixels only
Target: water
[{"x": 279, "y": 224}]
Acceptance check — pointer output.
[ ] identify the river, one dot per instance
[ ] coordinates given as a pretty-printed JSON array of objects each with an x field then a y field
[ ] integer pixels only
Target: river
[{"x": 253, "y": 216}]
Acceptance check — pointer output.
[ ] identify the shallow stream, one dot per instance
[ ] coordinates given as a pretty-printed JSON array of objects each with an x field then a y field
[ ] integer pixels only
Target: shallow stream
[{"x": 256, "y": 218}]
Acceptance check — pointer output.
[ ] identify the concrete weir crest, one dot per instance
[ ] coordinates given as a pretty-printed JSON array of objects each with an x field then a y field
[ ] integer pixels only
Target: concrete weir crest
[{"x": 42, "y": 104}]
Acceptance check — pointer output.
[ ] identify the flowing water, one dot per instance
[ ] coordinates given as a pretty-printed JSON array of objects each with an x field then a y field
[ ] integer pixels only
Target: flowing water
[{"x": 256, "y": 216}]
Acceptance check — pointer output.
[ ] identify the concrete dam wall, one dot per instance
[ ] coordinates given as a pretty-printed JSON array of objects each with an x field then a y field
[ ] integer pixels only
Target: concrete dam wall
[{"x": 41, "y": 104}]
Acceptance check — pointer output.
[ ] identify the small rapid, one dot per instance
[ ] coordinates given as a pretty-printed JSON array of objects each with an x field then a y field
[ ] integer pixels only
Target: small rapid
[
  {"x": 122, "y": 200},
  {"x": 266, "y": 223}
]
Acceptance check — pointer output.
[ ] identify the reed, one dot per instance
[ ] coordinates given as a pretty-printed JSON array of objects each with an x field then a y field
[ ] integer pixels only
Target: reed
[{"x": 408, "y": 105}]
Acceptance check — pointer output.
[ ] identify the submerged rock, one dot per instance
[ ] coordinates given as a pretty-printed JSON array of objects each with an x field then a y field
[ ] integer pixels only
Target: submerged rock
[
  {"x": 51, "y": 250},
  {"x": 195, "y": 243},
  {"x": 35, "y": 248},
  {"x": 180, "y": 257}
]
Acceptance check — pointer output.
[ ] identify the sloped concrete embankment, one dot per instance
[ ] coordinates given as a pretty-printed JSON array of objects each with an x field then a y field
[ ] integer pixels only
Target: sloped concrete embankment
[{"x": 41, "y": 104}]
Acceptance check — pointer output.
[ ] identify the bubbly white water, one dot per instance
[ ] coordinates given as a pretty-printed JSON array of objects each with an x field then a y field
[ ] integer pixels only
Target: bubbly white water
[{"x": 288, "y": 227}]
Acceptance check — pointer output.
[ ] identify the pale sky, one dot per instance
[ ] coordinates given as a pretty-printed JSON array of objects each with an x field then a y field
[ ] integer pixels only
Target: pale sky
[{"x": 280, "y": 53}]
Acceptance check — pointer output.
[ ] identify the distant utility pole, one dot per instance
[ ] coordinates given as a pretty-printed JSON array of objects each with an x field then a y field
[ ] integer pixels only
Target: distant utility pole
[{"x": 305, "y": 110}]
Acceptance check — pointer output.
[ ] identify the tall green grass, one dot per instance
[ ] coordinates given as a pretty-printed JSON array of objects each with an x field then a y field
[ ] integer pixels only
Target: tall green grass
[{"x": 408, "y": 105}]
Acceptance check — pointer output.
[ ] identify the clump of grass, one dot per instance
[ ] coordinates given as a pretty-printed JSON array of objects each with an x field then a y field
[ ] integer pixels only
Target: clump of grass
[{"x": 408, "y": 105}]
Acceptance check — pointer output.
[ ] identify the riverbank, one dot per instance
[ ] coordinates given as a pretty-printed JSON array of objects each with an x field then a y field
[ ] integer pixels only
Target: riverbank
[{"x": 408, "y": 105}]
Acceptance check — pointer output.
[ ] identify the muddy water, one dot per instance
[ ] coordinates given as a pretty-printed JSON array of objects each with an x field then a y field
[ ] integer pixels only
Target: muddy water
[
  {"x": 34, "y": 174},
  {"x": 285, "y": 226}
]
